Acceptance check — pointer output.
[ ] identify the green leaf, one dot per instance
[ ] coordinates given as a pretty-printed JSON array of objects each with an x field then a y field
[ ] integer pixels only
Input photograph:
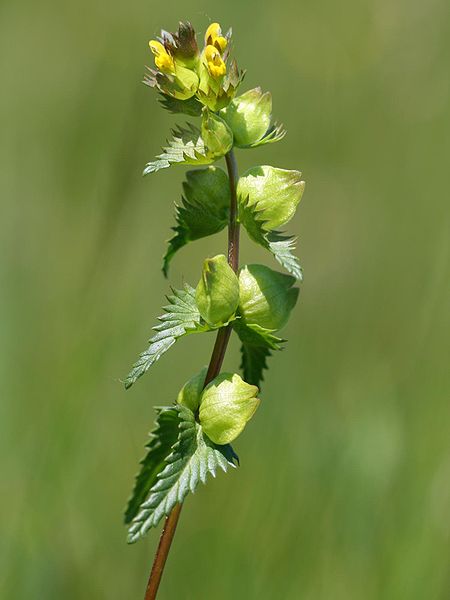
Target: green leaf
[
  {"x": 253, "y": 363},
  {"x": 252, "y": 334},
  {"x": 249, "y": 117},
  {"x": 280, "y": 245},
  {"x": 163, "y": 437},
  {"x": 257, "y": 345},
  {"x": 204, "y": 209},
  {"x": 186, "y": 147},
  {"x": 194, "y": 456},
  {"x": 181, "y": 318},
  {"x": 190, "y": 107}
]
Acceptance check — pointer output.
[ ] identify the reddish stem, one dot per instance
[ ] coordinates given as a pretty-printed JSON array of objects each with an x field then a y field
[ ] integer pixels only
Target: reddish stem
[{"x": 215, "y": 364}]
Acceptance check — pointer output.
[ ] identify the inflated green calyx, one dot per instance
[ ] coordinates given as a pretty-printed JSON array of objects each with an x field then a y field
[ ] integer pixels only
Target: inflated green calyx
[
  {"x": 226, "y": 405},
  {"x": 266, "y": 296},
  {"x": 190, "y": 393},
  {"x": 217, "y": 293},
  {"x": 216, "y": 134},
  {"x": 249, "y": 116},
  {"x": 274, "y": 193}
]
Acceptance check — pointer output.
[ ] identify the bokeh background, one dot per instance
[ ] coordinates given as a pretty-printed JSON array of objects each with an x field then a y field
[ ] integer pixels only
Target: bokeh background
[{"x": 344, "y": 488}]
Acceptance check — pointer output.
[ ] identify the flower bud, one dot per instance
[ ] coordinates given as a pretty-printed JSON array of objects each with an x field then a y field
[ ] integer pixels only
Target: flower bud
[
  {"x": 216, "y": 134},
  {"x": 266, "y": 297},
  {"x": 226, "y": 404},
  {"x": 249, "y": 116},
  {"x": 190, "y": 393},
  {"x": 217, "y": 293}
]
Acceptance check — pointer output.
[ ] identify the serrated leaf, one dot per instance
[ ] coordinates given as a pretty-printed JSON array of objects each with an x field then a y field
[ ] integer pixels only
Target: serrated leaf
[
  {"x": 186, "y": 147},
  {"x": 191, "y": 107},
  {"x": 257, "y": 346},
  {"x": 280, "y": 245},
  {"x": 255, "y": 335},
  {"x": 203, "y": 211},
  {"x": 275, "y": 133},
  {"x": 162, "y": 438},
  {"x": 181, "y": 318},
  {"x": 194, "y": 456},
  {"x": 253, "y": 363}
]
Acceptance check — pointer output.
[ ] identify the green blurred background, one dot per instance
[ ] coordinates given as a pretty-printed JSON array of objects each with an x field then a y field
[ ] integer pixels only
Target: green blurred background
[{"x": 344, "y": 488}]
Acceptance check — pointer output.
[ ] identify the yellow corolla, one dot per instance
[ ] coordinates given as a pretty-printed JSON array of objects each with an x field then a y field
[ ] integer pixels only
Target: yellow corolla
[
  {"x": 214, "y": 62},
  {"x": 163, "y": 60},
  {"x": 214, "y": 37}
]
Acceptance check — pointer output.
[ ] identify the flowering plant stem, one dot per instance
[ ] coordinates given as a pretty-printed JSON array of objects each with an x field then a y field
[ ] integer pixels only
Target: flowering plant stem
[
  {"x": 215, "y": 364},
  {"x": 192, "y": 436}
]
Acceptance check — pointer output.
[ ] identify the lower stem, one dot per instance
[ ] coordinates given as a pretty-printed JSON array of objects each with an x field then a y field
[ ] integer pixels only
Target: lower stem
[
  {"x": 215, "y": 364},
  {"x": 165, "y": 542}
]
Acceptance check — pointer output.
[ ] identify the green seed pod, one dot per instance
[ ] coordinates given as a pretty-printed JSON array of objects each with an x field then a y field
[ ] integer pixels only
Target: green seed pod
[
  {"x": 226, "y": 404},
  {"x": 248, "y": 116},
  {"x": 216, "y": 134},
  {"x": 274, "y": 193},
  {"x": 217, "y": 293},
  {"x": 190, "y": 393},
  {"x": 266, "y": 297}
]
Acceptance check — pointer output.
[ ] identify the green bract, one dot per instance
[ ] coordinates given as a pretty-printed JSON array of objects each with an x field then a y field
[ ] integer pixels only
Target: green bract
[
  {"x": 273, "y": 193},
  {"x": 217, "y": 293},
  {"x": 226, "y": 405},
  {"x": 189, "y": 394},
  {"x": 266, "y": 296}
]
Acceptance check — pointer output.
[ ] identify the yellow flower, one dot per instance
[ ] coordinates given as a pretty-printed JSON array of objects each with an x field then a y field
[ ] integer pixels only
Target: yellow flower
[
  {"x": 214, "y": 62},
  {"x": 163, "y": 60},
  {"x": 214, "y": 37}
]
